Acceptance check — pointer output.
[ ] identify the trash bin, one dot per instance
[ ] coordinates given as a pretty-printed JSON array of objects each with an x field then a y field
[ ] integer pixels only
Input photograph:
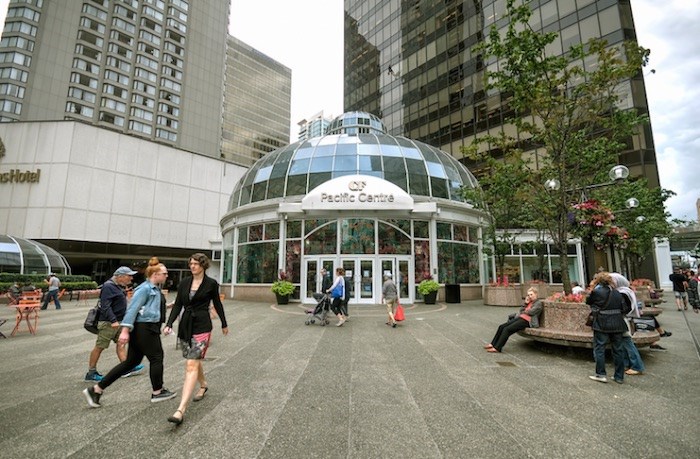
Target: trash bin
[{"x": 453, "y": 293}]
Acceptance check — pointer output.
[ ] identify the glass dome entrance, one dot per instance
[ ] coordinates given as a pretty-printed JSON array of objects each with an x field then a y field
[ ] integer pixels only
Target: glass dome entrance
[{"x": 25, "y": 256}]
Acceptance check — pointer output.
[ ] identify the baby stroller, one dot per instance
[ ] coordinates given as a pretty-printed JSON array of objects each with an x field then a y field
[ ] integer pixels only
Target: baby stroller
[{"x": 320, "y": 312}]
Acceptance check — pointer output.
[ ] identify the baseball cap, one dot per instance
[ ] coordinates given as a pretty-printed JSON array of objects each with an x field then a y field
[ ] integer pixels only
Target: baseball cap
[{"x": 124, "y": 271}]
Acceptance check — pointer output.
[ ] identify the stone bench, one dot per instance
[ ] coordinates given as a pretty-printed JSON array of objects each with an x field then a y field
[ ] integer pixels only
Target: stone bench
[{"x": 564, "y": 324}]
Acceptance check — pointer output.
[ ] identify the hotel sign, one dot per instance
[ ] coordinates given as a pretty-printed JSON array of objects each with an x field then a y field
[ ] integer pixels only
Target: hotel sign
[
  {"x": 357, "y": 192},
  {"x": 19, "y": 176}
]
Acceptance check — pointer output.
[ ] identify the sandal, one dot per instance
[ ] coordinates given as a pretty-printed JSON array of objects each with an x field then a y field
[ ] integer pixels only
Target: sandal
[
  {"x": 632, "y": 372},
  {"x": 175, "y": 420},
  {"x": 493, "y": 349},
  {"x": 200, "y": 395},
  {"x": 488, "y": 346}
]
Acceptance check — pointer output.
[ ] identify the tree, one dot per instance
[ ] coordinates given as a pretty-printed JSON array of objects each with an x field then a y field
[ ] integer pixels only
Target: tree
[
  {"x": 565, "y": 109},
  {"x": 502, "y": 193}
]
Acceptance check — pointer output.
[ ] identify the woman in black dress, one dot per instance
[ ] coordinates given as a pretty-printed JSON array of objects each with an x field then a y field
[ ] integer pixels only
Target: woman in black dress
[{"x": 194, "y": 294}]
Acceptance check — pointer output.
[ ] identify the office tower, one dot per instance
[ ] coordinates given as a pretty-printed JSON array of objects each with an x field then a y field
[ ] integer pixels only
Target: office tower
[
  {"x": 150, "y": 68},
  {"x": 257, "y": 104},
  {"x": 315, "y": 126},
  {"x": 413, "y": 64}
]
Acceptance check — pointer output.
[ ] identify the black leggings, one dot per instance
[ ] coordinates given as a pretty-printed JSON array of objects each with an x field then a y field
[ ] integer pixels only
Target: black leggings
[
  {"x": 337, "y": 305},
  {"x": 505, "y": 330},
  {"x": 144, "y": 341}
]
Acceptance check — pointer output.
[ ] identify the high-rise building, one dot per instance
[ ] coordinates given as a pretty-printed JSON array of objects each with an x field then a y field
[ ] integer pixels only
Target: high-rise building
[
  {"x": 413, "y": 64},
  {"x": 150, "y": 68},
  {"x": 315, "y": 126},
  {"x": 257, "y": 104}
]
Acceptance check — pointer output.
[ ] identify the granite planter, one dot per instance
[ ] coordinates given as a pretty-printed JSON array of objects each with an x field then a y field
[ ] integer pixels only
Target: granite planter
[{"x": 503, "y": 295}]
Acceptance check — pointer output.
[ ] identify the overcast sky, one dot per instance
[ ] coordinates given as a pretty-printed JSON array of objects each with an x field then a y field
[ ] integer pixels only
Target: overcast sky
[{"x": 307, "y": 36}]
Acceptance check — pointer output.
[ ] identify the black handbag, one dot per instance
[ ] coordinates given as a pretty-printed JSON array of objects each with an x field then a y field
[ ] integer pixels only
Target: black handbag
[
  {"x": 594, "y": 313},
  {"x": 93, "y": 316}
]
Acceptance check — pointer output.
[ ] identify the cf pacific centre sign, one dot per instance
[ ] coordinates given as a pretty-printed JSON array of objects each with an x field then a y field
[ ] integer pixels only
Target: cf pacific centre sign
[
  {"x": 357, "y": 192},
  {"x": 18, "y": 176}
]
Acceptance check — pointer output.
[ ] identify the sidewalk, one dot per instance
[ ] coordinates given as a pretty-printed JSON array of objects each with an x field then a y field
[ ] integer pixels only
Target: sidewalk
[{"x": 279, "y": 388}]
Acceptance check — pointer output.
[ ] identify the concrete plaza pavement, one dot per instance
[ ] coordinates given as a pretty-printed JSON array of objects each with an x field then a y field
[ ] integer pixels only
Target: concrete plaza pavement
[{"x": 427, "y": 389}]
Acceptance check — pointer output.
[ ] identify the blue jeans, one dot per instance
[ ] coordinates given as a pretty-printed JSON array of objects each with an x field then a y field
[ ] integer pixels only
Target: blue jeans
[
  {"x": 632, "y": 358},
  {"x": 47, "y": 299},
  {"x": 600, "y": 340}
]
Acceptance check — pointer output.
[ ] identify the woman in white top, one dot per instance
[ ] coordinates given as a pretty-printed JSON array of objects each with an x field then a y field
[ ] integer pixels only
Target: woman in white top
[{"x": 337, "y": 292}]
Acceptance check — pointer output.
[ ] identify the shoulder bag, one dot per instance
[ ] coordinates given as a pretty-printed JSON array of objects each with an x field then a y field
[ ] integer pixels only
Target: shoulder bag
[{"x": 93, "y": 316}]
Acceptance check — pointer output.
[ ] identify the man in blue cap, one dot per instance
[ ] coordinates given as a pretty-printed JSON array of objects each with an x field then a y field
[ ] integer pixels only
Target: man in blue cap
[{"x": 112, "y": 309}]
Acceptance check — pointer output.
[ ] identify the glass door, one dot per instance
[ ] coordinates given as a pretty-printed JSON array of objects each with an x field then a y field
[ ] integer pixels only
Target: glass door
[
  {"x": 360, "y": 275},
  {"x": 313, "y": 277},
  {"x": 399, "y": 267}
]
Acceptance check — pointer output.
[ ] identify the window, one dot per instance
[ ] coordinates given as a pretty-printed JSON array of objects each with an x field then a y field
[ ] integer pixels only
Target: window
[
  {"x": 114, "y": 105},
  {"x": 176, "y": 25},
  {"x": 86, "y": 66},
  {"x": 12, "y": 73},
  {"x": 141, "y": 113},
  {"x": 83, "y": 80},
  {"x": 160, "y": 4},
  {"x": 92, "y": 25},
  {"x": 143, "y": 87},
  {"x": 172, "y": 47},
  {"x": 169, "y": 109},
  {"x": 78, "y": 109},
  {"x": 142, "y": 100},
  {"x": 169, "y": 96},
  {"x": 88, "y": 52},
  {"x": 170, "y": 84},
  {"x": 122, "y": 37},
  {"x": 21, "y": 27},
  {"x": 17, "y": 42},
  {"x": 118, "y": 63},
  {"x": 181, "y": 3},
  {"x": 167, "y": 135},
  {"x": 9, "y": 89},
  {"x": 146, "y": 48},
  {"x": 122, "y": 24},
  {"x": 114, "y": 90},
  {"x": 81, "y": 94},
  {"x": 132, "y": 3},
  {"x": 165, "y": 121},
  {"x": 16, "y": 58},
  {"x": 153, "y": 13},
  {"x": 116, "y": 76},
  {"x": 140, "y": 127},
  {"x": 112, "y": 119},
  {"x": 172, "y": 60},
  {"x": 91, "y": 10},
  {"x": 175, "y": 37},
  {"x": 117, "y": 49},
  {"x": 9, "y": 106},
  {"x": 22, "y": 12},
  {"x": 143, "y": 60},
  {"x": 148, "y": 36},
  {"x": 90, "y": 38},
  {"x": 177, "y": 14},
  {"x": 171, "y": 72},
  {"x": 145, "y": 22},
  {"x": 145, "y": 74},
  {"x": 127, "y": 13}
]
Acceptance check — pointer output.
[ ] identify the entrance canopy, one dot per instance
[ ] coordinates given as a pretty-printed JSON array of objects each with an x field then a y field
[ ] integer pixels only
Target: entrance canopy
[{"x": 25, "y": 256}]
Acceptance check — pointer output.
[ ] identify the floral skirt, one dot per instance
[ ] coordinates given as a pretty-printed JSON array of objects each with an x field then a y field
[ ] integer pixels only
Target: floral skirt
[{"x": 196, "y": 348}]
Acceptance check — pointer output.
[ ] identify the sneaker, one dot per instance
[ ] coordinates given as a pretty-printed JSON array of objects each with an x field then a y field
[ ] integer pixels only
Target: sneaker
[
  {"x": 619, "y": 381},
  {"x": 164, "y": 395},
  {"x": 134, "y": 371},
  {"x": 657, "y": 347},
  {"x": 93, "y": 376},
  {"x": 340, "y": 323},
  {"x": 92, "y": 397},
  {"x": 602, "y": 379},
  {"x": 666, "y": 334}
]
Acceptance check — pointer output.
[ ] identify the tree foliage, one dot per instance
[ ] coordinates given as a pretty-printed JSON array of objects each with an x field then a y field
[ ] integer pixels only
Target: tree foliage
[{"x": 567, "y": 108}]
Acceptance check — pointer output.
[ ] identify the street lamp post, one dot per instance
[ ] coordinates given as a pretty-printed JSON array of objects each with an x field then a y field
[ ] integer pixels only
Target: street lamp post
[{"x": 617, "y": 174}]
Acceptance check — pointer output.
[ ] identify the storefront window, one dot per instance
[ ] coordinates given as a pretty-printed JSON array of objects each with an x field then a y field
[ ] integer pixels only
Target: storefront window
[
  {"x": 421, "y": 229},
  {"x": 292, "y": 264},
  {"x": 357, "y": 236},
  {"x": 393, "y": 240},
  {"x": 322, "y": 241},
  {"x": 257, "y": 263},
  {"x": 458, "y": 263},
  {"x": 422, "y": 260},
  {"x": 294, "y": 229}
]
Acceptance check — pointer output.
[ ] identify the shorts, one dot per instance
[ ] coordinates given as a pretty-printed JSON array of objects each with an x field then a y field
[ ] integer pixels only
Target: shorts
[
  {"x": 196, "y": 349},
  {"x": 390, "y": 305},
  {"x": 683, "y": 295},
  {"x": 106, "y": 334}
]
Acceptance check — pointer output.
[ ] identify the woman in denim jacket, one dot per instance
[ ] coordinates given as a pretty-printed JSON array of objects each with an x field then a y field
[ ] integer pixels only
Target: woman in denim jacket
[{"x": 141, "y": 329}]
